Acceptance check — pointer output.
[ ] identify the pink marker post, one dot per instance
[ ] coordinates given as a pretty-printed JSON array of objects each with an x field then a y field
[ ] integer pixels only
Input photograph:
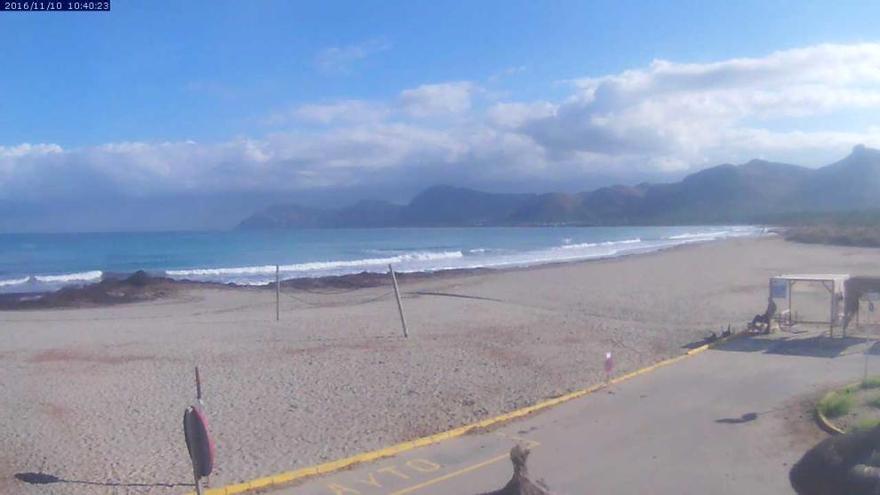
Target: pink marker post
[{"x": 609, "y": 367}]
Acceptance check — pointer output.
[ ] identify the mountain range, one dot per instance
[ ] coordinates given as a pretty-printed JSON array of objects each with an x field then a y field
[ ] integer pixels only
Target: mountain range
[{"x": 750, "y": 192}]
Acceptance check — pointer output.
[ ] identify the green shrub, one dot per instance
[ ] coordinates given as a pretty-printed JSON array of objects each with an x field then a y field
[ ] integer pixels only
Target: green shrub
[
  {"x": 875, "y": 402},
  {"x": 836, "y": 403},
  {"x": 866, "y": 424},
  {"x": 872, "y": 382}
]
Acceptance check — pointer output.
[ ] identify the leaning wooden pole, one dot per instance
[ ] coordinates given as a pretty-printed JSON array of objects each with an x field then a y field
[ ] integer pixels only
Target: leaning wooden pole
[
  {"x": 277, "y": 293},
  {"x": 399, "y": 304}
]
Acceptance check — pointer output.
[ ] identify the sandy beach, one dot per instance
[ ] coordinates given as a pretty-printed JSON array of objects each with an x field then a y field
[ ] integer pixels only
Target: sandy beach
[{"x": 95, "y": 396}]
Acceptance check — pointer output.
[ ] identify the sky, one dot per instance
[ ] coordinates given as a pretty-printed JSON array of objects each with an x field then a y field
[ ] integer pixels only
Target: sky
[{"x": 189, "y": 115}]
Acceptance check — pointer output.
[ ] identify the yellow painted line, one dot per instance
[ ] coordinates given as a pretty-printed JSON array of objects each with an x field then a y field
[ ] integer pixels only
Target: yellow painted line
[
  {"x": 452, "y": 474},
  {"x": 531, "y": 444},
  {"x": 329, "y": 467}
]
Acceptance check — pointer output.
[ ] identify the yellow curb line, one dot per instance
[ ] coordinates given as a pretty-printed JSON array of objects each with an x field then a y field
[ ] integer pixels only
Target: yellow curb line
[
  {"x": 329, "y": 467},
  {"x": 827, "y": 425}
]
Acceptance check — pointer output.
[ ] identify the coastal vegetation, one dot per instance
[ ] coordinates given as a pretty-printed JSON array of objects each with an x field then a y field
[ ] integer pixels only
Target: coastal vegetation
[
  {"x": 842, "y": 228},
  {"x": 854, "y": 407}
]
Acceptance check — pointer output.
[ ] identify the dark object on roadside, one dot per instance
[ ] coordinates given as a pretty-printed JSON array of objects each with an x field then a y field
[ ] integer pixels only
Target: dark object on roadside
[
  {"x": 520, "y": 484},
  {"x": 712, "y": 337},
  {"x": 745, "y": 418},
  {"x": 37, "y": 478},
  {"x": 726, "y": 333},
  {"x": 843, "y": 464}
]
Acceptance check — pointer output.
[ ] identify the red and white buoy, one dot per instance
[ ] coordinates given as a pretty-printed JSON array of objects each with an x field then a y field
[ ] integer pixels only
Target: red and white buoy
[{"x": 198, "y": 438}]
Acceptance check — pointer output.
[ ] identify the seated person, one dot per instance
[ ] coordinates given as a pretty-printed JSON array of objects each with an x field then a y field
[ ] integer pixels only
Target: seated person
[{"x": 762, "y": 321}]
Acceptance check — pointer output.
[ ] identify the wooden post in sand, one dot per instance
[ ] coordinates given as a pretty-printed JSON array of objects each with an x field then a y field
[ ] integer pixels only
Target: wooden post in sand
[
  {"x": 399, "y": 304},
  {"x": 198, "y": 387},
  {"x": 277, "y": 293}
]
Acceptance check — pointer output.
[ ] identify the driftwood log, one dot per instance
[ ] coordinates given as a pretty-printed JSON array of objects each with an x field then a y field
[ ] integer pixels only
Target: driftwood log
[
  {"x": 843, "y": 464},
  {"x": 520, "y": 483}
]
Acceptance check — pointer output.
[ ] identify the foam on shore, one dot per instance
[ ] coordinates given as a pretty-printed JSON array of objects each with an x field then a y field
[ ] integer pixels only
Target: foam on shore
[{"x": 404, "y": 261}]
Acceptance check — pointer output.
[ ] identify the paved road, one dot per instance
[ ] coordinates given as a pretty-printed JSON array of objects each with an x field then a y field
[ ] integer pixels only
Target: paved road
[{"x": 730, "y": 420}]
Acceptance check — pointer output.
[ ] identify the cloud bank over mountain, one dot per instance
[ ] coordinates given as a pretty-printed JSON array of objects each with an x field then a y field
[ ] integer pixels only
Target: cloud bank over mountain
[{"x": 804, "y": 105}]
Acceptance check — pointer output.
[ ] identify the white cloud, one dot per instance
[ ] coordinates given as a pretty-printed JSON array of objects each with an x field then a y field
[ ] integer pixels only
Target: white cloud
[
  {"x": 657, "y": 119},
  {"x": 687, "y": 110},
  {"x": 342, "y": 59},
  {"x": 430, "y": 100},
  {"x": 27, "y": 149},
  {"x": 343, "y": 111},
  {"x": 515, "y": 114}
]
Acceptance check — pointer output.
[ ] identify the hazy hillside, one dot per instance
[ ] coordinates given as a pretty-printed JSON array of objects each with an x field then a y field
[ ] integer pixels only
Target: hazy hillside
[
  {"x": 848, "y": 184},
  {"x": 754, "y": 191},
  {"x": 446, "y": 206}
]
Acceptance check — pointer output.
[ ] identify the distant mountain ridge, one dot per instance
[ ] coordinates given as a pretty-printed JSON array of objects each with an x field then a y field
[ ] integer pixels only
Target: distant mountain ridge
[{"x": 725, "y": 193}]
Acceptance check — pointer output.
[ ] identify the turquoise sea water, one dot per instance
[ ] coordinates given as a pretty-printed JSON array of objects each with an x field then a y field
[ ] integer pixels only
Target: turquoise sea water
[{"x": 39, "y": 262}]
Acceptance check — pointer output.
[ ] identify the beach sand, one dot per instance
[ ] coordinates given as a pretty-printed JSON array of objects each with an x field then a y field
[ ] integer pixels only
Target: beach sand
[{"x": 95, "y": 396}]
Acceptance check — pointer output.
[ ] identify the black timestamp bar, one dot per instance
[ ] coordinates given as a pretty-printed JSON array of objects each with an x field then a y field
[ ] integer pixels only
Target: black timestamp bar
[{"x": 54, "y": 6}]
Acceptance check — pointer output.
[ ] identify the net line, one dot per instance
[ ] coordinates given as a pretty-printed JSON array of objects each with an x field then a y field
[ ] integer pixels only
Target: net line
[{"x": 336, "y": 304}]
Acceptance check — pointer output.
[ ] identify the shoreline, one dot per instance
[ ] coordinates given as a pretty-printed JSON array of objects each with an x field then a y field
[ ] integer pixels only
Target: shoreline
[
  {"x": 253, "y": 262},
  {"x": 140, "y": 286},
  {"x": 335, "y": 377}
]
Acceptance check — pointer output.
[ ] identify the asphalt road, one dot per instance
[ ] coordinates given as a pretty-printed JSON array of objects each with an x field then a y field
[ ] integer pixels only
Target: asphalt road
[{"x": 729, "y": 420}]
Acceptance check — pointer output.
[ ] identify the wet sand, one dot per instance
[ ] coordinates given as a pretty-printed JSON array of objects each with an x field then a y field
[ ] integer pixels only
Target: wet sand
[{"x": 95, "y": 396}]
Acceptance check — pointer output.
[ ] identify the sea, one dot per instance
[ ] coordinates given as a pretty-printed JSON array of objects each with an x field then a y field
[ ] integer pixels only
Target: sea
[{"x": 48, "y": 262}]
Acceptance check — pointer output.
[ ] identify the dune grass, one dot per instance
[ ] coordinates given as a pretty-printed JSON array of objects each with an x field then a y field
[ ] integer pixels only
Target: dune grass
[
  {"x": 866, "y": 424},
  {"x": 835, "y": 235},
  {"x": 837, "y": 403}
]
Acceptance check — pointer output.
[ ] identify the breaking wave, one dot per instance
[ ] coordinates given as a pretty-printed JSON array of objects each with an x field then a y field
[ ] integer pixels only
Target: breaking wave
[
  {"x": 504, "y": 252},
  {"x": 258, "y": 275},
  {"x": 47, "y": 283}
]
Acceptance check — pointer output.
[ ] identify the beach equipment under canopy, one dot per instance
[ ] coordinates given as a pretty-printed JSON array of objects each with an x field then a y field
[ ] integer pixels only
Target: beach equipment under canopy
[{"x": 834, "y": 283}]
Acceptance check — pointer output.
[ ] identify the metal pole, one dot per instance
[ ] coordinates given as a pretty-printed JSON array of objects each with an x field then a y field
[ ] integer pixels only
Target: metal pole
[
  {"x": 399, "y": 304},
  {"x": 831, "y": 313},
  {"x": 277, "y": 293},
  {"x": 196, "y": 478},
  {"x": 198, "y": 386},
  {"x": 198, "y": 482}
]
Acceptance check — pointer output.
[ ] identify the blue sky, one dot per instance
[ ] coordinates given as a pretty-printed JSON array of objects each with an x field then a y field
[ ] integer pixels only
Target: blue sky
[
  {"x": 165, "y": 70},
  {"x": 166, "y": 97}
]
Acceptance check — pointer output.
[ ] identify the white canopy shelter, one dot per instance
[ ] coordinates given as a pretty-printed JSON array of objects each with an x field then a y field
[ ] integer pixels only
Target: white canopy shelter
[{"x": 835, "y": 283}]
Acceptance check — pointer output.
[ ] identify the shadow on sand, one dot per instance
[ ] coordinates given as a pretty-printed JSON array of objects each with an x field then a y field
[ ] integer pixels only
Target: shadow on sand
[{"x": 48, "y": 479}]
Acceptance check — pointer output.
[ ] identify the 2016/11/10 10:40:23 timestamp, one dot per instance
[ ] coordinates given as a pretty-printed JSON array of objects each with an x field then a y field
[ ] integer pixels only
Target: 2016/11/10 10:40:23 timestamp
[{"x": 54, "y": 6}]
